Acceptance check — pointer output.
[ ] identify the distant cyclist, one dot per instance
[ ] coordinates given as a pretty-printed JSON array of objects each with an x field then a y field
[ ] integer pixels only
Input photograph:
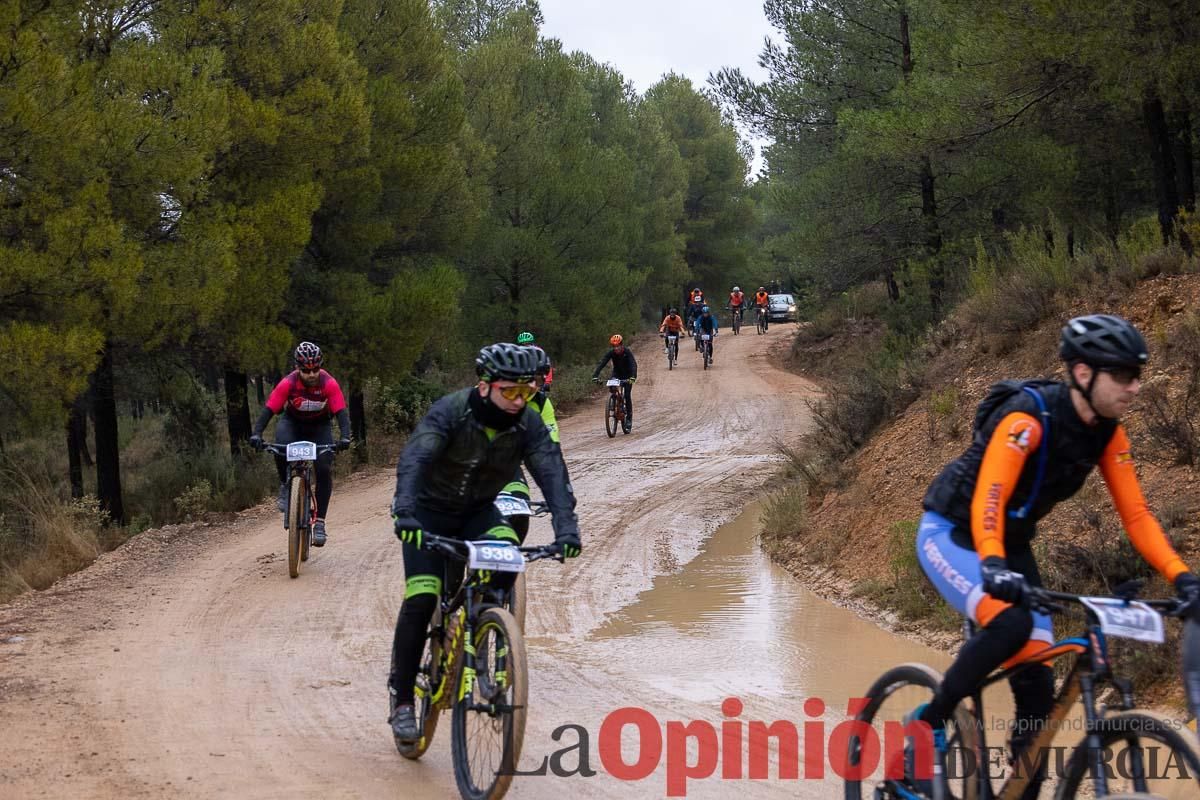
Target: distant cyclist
[
  {"x": 541, "y": 403},
  {"x": 737, "y": 301},
  {"x": 624, "y": 369},
  {"x": 762, "y": 302},
  {"x": 672, "y": 323},
  {"x": 546, "y": 378},
  {"x": 706, "y": 323},
  {"x": 306, "y": 400}
]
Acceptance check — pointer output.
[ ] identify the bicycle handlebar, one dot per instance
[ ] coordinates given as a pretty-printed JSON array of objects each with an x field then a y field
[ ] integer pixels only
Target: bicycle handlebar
[
  {"x": 457, "y": 548},
  {"x": 1050, "y": 602},
  {"x": 278, "y": 449}
]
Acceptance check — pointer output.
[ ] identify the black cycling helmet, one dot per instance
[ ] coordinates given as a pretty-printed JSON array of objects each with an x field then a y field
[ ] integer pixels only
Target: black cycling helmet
[
  {"x": 308, "y": 355},
  {"x": 506, "y": 362},
  {"x": 1102, "y": 340},
  {"x": 673, "y": 310},
  {"x": 541, "y": 359}
]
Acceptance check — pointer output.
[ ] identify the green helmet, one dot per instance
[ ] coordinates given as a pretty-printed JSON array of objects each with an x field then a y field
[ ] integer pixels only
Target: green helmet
[{"x": 524, "y": 337}]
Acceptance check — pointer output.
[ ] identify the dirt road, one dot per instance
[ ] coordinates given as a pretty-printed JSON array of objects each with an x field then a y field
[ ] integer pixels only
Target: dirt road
[{"x": 187, "y": 664}]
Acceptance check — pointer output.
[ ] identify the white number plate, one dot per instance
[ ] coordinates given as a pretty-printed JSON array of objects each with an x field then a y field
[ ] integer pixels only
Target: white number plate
[
  {"x": 302, "y": 451},
  {"x": 704, "y": 337},
  {"x": 1127, "y": 620},
  {"x": 613, "y": 382},
  {"x": 672, "y": 337},
  {"x": 496, "y": 556},
  {"x": 510, "y": 505}
]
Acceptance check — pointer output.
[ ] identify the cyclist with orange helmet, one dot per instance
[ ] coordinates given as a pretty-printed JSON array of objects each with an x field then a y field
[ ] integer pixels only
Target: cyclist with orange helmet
[{"x": 624, "y": 369}]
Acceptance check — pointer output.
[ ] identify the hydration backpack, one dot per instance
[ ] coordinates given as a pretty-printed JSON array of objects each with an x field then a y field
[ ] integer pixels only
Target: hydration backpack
[{"x": 998, "y": 395}]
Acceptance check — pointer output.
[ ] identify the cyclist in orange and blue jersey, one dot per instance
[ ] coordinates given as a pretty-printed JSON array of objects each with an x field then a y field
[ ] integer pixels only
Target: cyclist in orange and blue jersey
[{"x": 1035, "y": 443}]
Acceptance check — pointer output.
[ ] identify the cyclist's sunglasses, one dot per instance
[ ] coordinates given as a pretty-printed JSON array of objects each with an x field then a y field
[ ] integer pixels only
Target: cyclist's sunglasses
[
  {"x": 521, "y": 390},
  {"x": 309, "y": 370},
  {"x": 1123, "y": 375}
]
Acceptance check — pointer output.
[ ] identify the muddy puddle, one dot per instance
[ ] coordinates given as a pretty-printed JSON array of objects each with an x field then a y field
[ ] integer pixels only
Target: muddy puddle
[{"x": 731, "y": 622}]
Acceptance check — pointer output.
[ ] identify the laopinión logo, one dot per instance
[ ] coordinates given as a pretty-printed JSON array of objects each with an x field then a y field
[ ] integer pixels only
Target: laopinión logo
[{"x": 632, "y": 744}]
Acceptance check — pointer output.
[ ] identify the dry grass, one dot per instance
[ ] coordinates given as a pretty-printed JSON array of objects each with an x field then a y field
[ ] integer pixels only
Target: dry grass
[{"x": 43, "y": 537}]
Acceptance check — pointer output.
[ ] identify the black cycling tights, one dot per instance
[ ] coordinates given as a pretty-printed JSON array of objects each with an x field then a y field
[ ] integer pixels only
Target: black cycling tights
[
  {"x": 324, "y": 469},
  {"x": 409, "y": 642},
  {"x": 1033, "y": 687}
]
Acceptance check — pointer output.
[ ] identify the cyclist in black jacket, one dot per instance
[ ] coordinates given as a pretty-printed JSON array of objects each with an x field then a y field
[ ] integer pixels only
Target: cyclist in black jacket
[
  {"x": 460, "y": 455},
  {"x": 624, "y": 368}
]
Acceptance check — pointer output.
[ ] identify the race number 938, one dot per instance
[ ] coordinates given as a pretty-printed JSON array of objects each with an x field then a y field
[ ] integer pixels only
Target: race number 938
[{"x": 497, "y": 556}]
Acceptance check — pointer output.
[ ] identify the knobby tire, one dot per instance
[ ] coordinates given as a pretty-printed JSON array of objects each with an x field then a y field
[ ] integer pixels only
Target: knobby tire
[
  {"x": 497, "y": 705},
  {"x": 297, "y": 502}
]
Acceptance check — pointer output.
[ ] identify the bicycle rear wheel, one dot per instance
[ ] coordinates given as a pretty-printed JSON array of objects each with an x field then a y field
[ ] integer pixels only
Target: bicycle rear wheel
[
  {"x": 296, "y": 512},
  {"x": 517, "y": 600},
  {"x": 430, "y": 685},
  {"x": 1146, "y": 753},
  {"x": 876, "y": 770},
  {"x": 488, "y": 726},
  {"x": 610, "y": 416}
]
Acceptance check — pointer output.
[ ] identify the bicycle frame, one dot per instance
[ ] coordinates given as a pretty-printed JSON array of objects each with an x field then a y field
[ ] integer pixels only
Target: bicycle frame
[
  {"x": 1091, "y": 667},
  {"x": 465, "y": 597},
  {"x": 617, "y": 392}
]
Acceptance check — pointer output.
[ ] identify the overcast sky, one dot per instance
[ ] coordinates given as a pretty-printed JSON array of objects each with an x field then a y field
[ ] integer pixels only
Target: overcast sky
[{"x": 644, "y": 39}]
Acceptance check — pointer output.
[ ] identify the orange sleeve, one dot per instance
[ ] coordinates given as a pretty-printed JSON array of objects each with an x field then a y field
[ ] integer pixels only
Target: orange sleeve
[
  {"x": 1116, "y": 465},
  {"x": 1017, "y": 435}
]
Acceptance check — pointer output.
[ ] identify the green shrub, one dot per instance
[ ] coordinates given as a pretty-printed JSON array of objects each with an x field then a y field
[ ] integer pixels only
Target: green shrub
[
  {"x": 195, "y": 500},
  {"x": 399, "y": 407}
]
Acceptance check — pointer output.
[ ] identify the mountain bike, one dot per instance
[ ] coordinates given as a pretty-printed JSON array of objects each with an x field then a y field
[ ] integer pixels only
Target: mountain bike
[
  {"x": 485, "y": 685},
  {"x": 1122, "y": 752},
  {"x": 706, "y": 344},
  {"x": 761, "y": 322},
  {"x": 736, "y": 319},
  {"x": 301, "y": 508},
  {"x": 615, "y": 412},
  {"x": 672, "y": 340},
  {"x": 513, "y": 505}
]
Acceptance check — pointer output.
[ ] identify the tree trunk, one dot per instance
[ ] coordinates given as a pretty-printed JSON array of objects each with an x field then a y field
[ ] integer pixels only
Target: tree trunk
[
  {"x": 237, "y": 410},
  {"x": 1164, "y": 162},
  {"x": 358, "y": 421},
  {"x": 108, "y": 459},
  {"x": 74, "y": 445},
  {"x": 1112, "y": 212},
  {"x": 258, "y": 385},
  {"x": 893, "y": 288},
  {"x": 933, "y": 235},
  {"x": 85, "y": 404},
  {"x": 1071, "y": 244},
  {"x": 141, "y": 408},
  {"x": 1182, "y": 150}
]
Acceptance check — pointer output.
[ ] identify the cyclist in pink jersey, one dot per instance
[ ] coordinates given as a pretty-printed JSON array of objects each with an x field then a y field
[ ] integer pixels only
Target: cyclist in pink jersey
[{"x": 306, "y": 400}]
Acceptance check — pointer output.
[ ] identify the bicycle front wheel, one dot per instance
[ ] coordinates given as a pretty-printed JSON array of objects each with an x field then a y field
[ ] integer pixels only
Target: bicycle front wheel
[
  {"x": 1143, "y": 753},
  {"x": 610, "y": 416},
  {"x": 306, "y": 534},
  {"x": 297, "y": 511},
  {"x": 488, "y": 726},
  {"x": 875, "y": 772}
]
